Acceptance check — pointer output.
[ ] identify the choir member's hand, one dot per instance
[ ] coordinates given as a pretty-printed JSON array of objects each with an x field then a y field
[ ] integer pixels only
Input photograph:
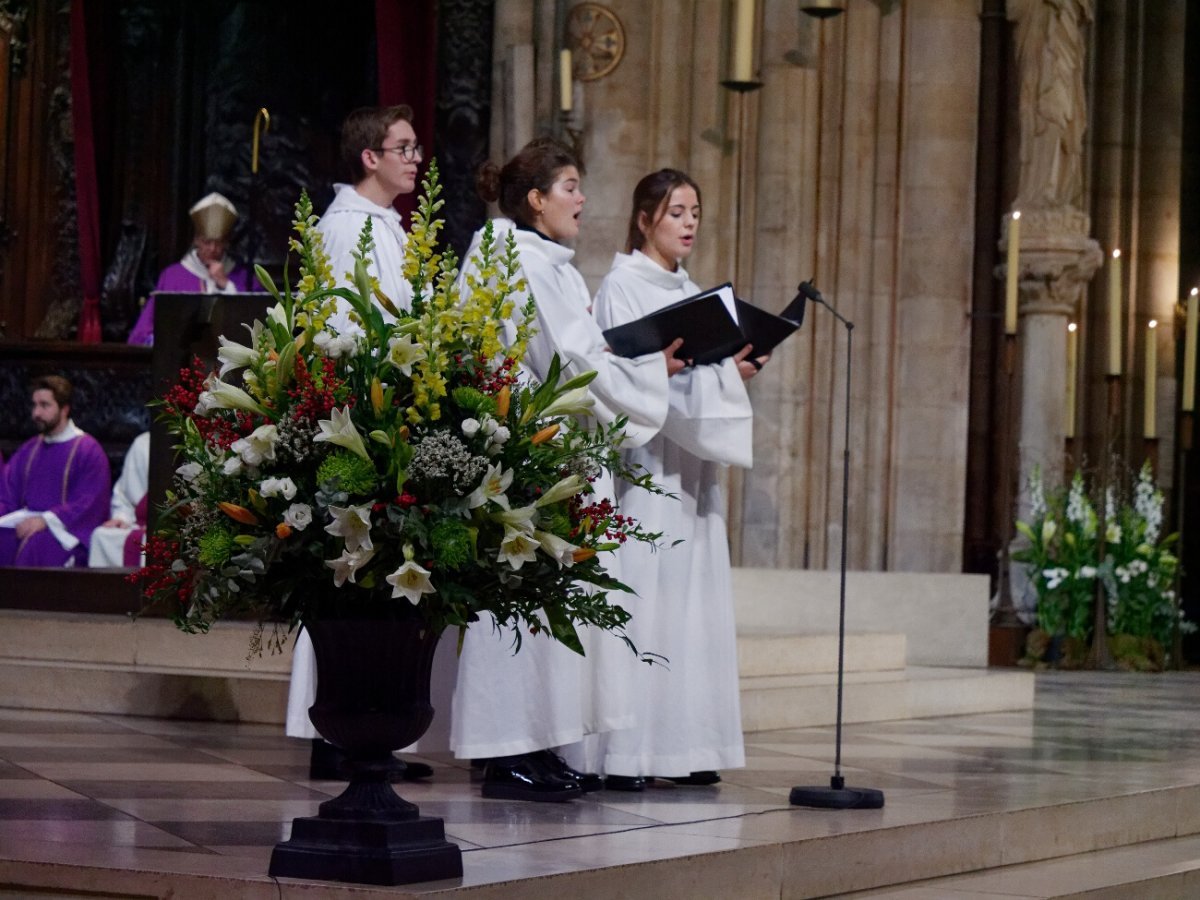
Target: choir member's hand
[
  {"x": 29, "y": 526},
  {"x": 116, "y": 523},
  {"x": 674, "y": 366},
  {"x": 216, "y": 271},
  {"x": 749, "y": 366}
]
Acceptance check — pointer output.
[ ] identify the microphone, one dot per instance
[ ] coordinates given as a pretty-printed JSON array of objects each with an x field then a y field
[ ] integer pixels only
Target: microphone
[{"x": 809, "y": 290}]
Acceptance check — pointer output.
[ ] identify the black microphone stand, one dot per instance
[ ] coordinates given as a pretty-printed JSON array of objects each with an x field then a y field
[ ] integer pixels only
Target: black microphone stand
[{"x": 837, "y": 795}]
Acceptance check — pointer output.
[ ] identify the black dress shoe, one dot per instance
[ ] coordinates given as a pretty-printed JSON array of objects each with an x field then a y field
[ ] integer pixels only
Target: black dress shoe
[
  {"x": 702, "y": 779},
  {"x": 587, "y": 781},
  {"x": 330, "y": 763},
  {"x": 631, "y": 783},
  {"x": 526, "y": 777}
]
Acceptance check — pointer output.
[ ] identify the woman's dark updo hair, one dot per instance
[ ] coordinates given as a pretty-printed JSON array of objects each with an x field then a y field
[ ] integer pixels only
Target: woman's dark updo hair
[
  {"x": 535, "y": 166},
  {"x": 650, "y": 194}
]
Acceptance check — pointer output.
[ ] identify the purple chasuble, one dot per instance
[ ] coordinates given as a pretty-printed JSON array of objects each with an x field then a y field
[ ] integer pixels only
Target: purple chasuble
[
  {"x": 71, "y": 479},
  {"x": 175, "y": 279}
]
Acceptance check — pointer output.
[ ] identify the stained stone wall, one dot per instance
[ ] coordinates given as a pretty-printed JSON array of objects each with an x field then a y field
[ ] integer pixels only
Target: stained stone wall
[{"x": 854, "y": 164}]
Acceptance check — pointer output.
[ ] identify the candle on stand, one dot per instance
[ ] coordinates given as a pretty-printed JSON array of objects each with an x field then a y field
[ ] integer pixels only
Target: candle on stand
[
  {"x": 1072, "y": 375},
  {"x": 743, "y": 41},
  {"x": 564, "y": 80},
  {"x": 1114, "y": 314},
  {"x": 1011, "y": 272},
  {"x": 1149, "y": 430},
  {"x": 1189, "y": 354}
]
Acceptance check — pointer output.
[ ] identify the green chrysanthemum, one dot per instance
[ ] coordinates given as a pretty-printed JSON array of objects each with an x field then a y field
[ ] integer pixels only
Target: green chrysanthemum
[
  {"x": 351, "y": 472},
  {"x": 453, "y": 543},
  {"x": 216, "y": 545},
  {"x": 473, "y": 400}
]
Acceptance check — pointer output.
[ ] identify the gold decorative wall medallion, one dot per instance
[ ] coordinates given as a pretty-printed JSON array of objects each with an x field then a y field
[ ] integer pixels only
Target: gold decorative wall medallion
[{"x": 596, "y": 39}]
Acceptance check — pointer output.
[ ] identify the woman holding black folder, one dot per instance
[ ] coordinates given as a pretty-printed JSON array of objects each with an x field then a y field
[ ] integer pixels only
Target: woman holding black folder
[
  {"x": 513, "y": 710},
  {"x": 687, "y": 714}
]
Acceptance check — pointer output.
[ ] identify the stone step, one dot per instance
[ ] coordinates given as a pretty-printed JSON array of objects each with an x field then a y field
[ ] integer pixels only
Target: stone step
[
  {"x": 803, "y": 654},
  {"x": 1154, "y": 870},
  {"x": 798, "y": 701}
]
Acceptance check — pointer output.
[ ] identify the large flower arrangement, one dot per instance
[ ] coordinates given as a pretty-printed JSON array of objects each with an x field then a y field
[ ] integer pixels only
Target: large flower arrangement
[
  {"x": 404, "y": 461},
  {"x": 1062, "y": 554}
]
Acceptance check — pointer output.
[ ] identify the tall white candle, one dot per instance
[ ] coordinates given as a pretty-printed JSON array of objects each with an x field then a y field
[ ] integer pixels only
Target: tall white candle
[
  {"x": 743, "y": 41},
  {"x": 1189, "y": 354},
  {"x": 1011, "y": 272},
  {"x": 1149, "y": 429},
  {"x": 1072, "y": 376},
  {"x": 564, "y": 80},
  {"x": 1114, "y": 314}
]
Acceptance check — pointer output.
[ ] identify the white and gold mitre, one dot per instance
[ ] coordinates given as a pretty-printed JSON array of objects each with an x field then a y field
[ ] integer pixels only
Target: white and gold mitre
[{"x": 213, "y": 217}]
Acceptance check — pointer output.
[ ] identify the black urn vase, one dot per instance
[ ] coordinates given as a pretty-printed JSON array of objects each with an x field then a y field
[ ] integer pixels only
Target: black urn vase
[{"x": 373, "y": 670}]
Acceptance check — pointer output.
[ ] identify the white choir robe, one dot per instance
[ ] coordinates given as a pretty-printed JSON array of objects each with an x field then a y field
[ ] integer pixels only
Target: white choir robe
[
  {"x": 687, "y": 712},
  {"x": 546, "y": 695},
  {"x": 107, "y": 549},
  {"x": 340, "y": 228}
]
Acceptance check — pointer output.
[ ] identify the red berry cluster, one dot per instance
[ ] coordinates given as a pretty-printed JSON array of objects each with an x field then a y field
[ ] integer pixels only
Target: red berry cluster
[
  {"x": 491, "y": 382},
  {"x": 157, "y": 578},
  {"x": 314, "y": 395},
  {"x": 182, "y": 398},
  {"x": 602, "y": 514}
]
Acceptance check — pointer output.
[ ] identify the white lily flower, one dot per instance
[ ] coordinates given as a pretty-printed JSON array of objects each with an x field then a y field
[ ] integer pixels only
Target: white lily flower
[
  {"x": 340, "y": 430},
  {"x": 278, "y": 487},
  {"x": 562, "y": 490},
  {"x": 345, "y": 567},
  {"x": 226, "y": 396},
  {"x": 495, "y": 482},
  {"x": 258, "y": 446},
  {"x": 233, "y": 465},
  {"x": 574, "y": 402},
  {"x": 410, "y": 581},
  {"x": 562, "y": 551},
  {"x": 233, "y": 355},
  {"x": 517, "y": 548},
  {"x": 403, "y": 353},
  {"x": 521, "y": 519},
  {"x": 276, "y": 314},
  {"x": 353, "y": 525},
  {"x": 299, "y": 516}
]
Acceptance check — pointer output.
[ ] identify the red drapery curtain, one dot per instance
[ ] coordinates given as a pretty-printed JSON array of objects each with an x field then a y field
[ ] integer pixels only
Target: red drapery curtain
[
  {"x": 406, "y": 45},
  {"x": 87, "y": 189}
]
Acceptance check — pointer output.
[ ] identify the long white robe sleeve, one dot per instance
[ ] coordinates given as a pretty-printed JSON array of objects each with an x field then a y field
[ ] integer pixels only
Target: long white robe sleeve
[
  {"x": 546, "y": 695},
  {"x": 687, "y": 712}
]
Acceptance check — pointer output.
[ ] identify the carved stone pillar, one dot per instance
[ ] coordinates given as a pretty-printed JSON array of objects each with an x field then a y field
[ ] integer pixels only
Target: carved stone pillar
[{"x": 1057, "y": 262}]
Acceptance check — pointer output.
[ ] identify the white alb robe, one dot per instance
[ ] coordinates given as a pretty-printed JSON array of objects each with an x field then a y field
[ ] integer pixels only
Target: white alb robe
[
  {"x": 108, "y": 541},
  {"x": 546, "y": 695},
  {"x": 687, "y": 712}
]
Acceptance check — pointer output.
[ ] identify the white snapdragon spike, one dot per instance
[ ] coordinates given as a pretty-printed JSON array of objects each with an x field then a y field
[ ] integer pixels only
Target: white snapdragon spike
[
  {"x": 258, "y": 446},
  {"x": 561, "y": 490},
  {"x": 520, "y": 519},
  {"x": 495, "y": 482},
  {"x": 517, "y": 548},
  {"x": 339, "y": 429},
  {"x": 345, "y": 567},
  {"x": 403, "y": 353},
  {"x": 562, "y": 551},
  {"x": 233, "y": 355},
  {"x": 1037, "y": 493},
  {"x": 299, "y": 516},
  {"x": 353, "y": 525},
  {"x": 410, "y": 581},
  {"x": 278, "y": 487},
  {"x": 189, "y": 471},
  {"x": 470, "y": 427},
  {"x": 573, "y": 403}
]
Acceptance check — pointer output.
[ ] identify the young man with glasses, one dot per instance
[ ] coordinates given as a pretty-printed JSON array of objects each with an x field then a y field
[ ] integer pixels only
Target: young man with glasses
[{"x": 380, "y": 148}]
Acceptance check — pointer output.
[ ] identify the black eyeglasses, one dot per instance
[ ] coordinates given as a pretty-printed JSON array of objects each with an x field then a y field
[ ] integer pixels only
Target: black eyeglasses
[{"x": 408, "y": 152}]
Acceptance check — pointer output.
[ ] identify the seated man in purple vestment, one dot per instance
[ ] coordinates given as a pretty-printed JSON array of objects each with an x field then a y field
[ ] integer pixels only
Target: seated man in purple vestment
[
  {"x": 204, "y": 269},
  {"x": 55, "y": 489}
]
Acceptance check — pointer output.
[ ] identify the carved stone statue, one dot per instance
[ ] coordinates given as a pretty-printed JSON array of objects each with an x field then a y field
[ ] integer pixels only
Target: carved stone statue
[{"x": 1050, "y": 53}]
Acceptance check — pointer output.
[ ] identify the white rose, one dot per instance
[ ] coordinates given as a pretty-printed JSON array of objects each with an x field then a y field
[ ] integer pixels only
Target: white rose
[
  {"x": 298, "y": 515},
  {"x": 470, "y": 427}
]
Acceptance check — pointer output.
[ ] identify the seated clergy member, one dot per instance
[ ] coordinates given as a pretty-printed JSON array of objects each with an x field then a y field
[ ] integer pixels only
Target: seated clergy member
[
  {"x": 56, "y": 486},
  {"x": 204, "y": 269},
  {"x": 118, "y": 542}
]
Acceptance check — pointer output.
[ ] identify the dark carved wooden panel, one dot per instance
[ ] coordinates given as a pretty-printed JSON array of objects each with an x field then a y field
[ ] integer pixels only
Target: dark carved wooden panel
[{"x": 464, "y": 74}]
